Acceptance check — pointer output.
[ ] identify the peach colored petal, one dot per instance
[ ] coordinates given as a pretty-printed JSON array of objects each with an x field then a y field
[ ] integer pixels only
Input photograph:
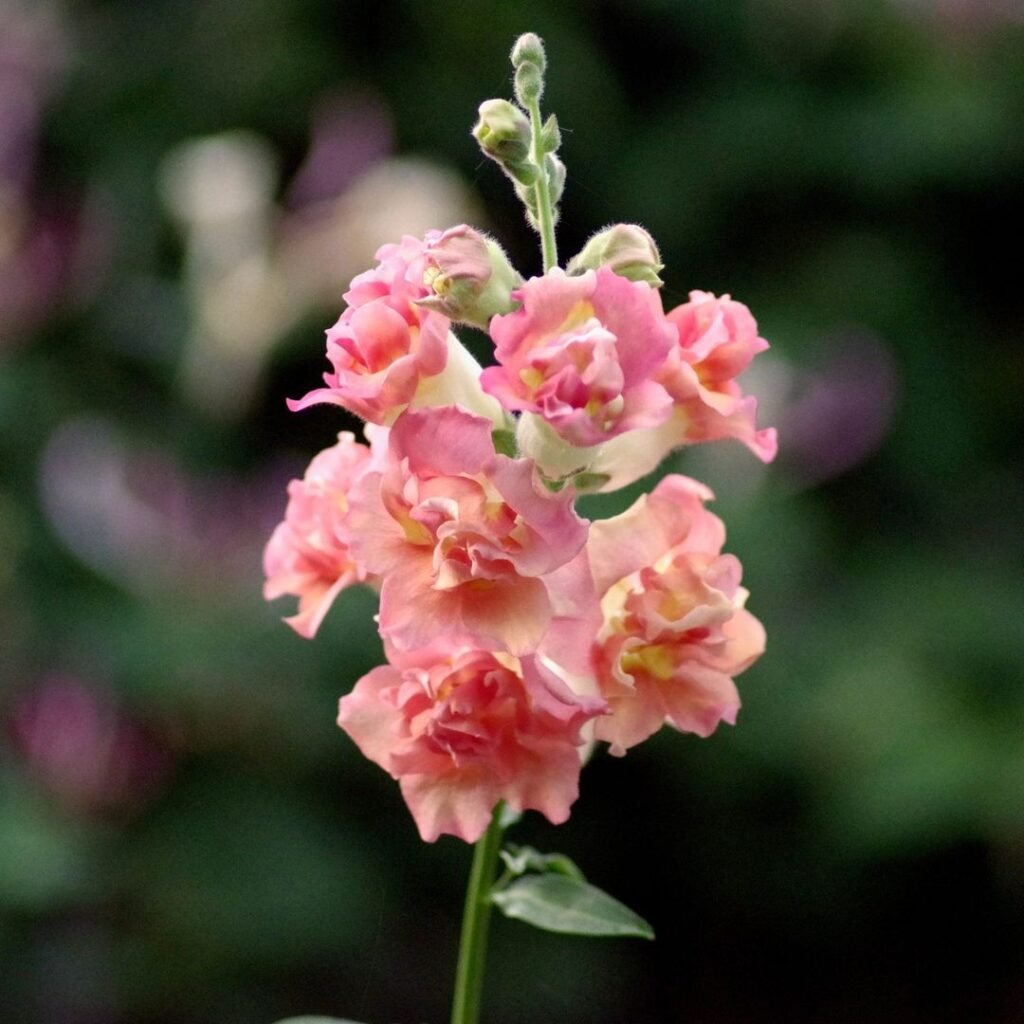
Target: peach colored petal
[
  {"x": 716, "y": 340},
  {"x": 460, "y": 535},
  {"x": 462, "y": 729},
  {"x": 674, "y": 629},
  {"x": 581, "y": 352},
  {"x": 309, "y": 554}
]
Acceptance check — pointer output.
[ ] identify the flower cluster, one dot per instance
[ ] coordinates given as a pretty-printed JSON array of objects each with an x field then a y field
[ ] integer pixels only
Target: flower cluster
[{"x": 517, "y": 633}]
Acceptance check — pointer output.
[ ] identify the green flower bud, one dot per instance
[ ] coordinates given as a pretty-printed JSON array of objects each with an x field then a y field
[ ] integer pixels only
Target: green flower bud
[
  {"x": 528, "y": 47},
  {"x": 529, "y": 83},
  {"x": 625, "y": 248},
  {"x": 551, "y": 135},
  {"x": 525, "y": 173},
  {"x": 503, "y": 132}
]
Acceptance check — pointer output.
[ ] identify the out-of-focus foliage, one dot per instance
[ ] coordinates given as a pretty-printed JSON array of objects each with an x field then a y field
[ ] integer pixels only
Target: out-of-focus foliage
[{"x": 185, "y": 188}]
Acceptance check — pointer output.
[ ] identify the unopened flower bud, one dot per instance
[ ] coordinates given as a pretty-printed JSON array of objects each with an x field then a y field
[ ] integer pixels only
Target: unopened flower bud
[
  {"x": 626, "y": 249},
  {"x": 470, "y": 276},
  {"x": 528, "y": 47},
  {"x": 551, "y": 135},
  {"x": 524, "y": 173},
  {"x": 529, "y": 83},
  {"x": 503, "y": 132}
]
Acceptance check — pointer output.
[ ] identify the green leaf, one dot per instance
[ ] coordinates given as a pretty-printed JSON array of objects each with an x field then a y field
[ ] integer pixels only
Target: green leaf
[
  {"x": 520, "y": 859},
  {"x": 317, "y": 1020},
  {"x": 558, "y": 903}
]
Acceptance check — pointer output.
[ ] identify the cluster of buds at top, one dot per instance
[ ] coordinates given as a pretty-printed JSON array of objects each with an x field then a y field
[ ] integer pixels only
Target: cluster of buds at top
[{"x": 513, "y": 137}]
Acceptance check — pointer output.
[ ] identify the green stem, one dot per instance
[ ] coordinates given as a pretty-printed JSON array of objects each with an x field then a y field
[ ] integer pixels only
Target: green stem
[
  {"x": 545, "y": 214},
  {"x": 469, "y": 975}
]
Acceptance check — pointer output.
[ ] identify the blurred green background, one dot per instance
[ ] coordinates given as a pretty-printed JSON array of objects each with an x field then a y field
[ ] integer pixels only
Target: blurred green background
[{"x": 186, "y": 186}]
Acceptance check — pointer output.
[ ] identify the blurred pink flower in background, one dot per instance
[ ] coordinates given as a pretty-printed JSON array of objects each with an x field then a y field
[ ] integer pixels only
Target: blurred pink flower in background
[
  {"x": 51, "y": 246},
  {"x": 350, "y": 134},
  {"x": 85, "y": 748},
  {"x": 957, "y": 16},
  {"x": 837, "y": 414}
]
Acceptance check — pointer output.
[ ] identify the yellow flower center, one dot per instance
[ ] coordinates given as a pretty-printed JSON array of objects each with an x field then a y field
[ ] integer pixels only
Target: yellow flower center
[{"x": 654, "y": 660}]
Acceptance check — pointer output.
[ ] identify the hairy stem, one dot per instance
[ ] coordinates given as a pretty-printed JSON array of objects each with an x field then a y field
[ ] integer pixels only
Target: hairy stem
[{"x": 545, "y": 212}]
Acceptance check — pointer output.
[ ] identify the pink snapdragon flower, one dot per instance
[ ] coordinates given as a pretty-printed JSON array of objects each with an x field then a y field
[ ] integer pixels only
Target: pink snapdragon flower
[
  {"x": 384, "y": 344},
  {"x": 581, "y": 353},
  {"x": 464, "y": 729},
  {"x": 717, "y": 339},
  {"x": 674, "y": 630},
  {"x": 309, "y": 554},
  {"x": 461, "y": 537}
]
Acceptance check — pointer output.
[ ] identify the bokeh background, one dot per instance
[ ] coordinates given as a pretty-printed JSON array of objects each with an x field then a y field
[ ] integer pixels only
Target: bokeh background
[{"x": 186, "y": 187}]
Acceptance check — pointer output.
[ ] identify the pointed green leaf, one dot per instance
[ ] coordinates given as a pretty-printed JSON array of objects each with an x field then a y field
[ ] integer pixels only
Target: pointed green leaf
[
  {"x": 317, "y": 1020},
  {"x": 558, "y": 903}
]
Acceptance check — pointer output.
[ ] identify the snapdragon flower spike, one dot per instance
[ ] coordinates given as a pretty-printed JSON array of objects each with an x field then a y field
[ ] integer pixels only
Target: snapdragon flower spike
[
  {"x": 581, "y": 354},
  {"x": 675, "y": 631},
  {"x": 717, "y": 339},
  {"x": 308, "y": 554},
  {"x": 463, "y": 728},
  {"x": 461, "y": 537}
]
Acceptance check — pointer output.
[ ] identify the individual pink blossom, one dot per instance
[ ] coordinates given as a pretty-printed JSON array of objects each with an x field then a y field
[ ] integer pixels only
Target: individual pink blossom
[
  {"x": 674, "y": 630},
  {"x": 581, "y": 353},
  {"x": 309, "y": 553},
  {"x": 461, "y": 537},
  {"x": 464, "y": 729},
  {"x": 717, "y": 339},
  {"x": 384, "y": 343}
]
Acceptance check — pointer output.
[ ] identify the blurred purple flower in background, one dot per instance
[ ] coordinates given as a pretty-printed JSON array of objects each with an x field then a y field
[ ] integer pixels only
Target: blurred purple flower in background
[
  {"x": 49, "y": 246},
  {"x": 132, "y": 515},
  {"x": 956, "y": 16},
  {"x": 85, "y": 749},
  {"x": 839, "y": 413}
]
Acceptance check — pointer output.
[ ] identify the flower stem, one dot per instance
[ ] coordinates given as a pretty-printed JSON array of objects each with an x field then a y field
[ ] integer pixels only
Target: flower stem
[
  {"x": 469, "y": 975},
  {"x": 545, "y": 212}
]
